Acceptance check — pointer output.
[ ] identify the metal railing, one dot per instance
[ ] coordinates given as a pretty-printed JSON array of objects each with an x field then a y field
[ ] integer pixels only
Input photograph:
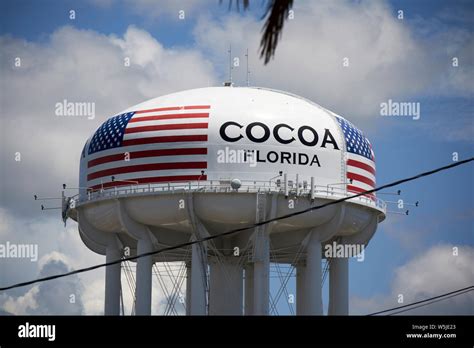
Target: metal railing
[{"x": 220, "y": 186}]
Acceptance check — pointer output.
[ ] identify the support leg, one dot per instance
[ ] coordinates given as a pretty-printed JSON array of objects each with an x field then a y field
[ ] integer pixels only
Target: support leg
[
  {"x": 143, "y": 287},
  {"x": 339, "y": 286},
  {"x": 261, "y": 276},
  {"x": 300, "y": 289},
  {"x": 198, "y": 281},
  {"x": 312, "y": 293},
  {"x": 112, "y": 281}
]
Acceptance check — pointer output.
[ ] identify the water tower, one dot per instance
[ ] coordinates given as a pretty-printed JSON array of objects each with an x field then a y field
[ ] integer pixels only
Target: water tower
[{"x": 201, "y": 162}]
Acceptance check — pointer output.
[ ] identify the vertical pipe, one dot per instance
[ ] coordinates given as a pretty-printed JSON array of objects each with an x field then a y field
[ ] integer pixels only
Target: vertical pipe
[
  {"x": 248, "y": 71},
  {"x": 248, "y": 310},
  {"x": 230, "y": 64},
  {"x": 188, "y": 288},
  {"x": 261, "y": 279},
  {"x": 198, "y": 281},
  {"x": 339, "y": 286},
  {"x": 300, "y": 288},
  {"x": 143, "y": 288},
  {"x": 312, "y": 188},
  {"x": 215, "y": 287},
  {"x": 112, "y": 281},
  {"x": 297, "y": 184},
  {"x": 312, "y": 293}
]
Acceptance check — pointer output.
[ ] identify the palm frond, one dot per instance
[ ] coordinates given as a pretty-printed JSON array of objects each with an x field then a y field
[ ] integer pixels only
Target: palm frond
[{"x": 277, "y": 12}]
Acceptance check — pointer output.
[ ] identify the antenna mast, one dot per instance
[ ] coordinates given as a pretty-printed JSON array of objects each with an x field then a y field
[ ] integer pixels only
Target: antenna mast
[
  {"x": 230, "y": 64},
  {"x": 248, "y": 71}
]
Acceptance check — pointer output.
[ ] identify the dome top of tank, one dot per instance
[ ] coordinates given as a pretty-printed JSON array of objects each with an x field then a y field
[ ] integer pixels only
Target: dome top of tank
[
  {"x": 214, "y": 93},
  {"x": 243, "y": 96}
]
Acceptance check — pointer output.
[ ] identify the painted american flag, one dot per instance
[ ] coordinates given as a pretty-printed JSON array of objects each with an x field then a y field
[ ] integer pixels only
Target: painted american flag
[
  {"x": 360, "y": 159},
  {"x": 165, "y": 144}
]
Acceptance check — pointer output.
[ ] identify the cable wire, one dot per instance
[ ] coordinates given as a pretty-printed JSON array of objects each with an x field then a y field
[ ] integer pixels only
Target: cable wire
[
  {"x": 241, "y": 229},
  {"x": 439, "y": 297},
  {"x": 432, "y": 302}
]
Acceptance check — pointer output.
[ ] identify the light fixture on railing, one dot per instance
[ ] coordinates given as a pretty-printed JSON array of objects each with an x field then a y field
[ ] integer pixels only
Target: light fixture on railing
[
  {"x": 45, "y": 198},
  {"x": 390, "y": 193},
  {"x": 280, "y": 173},
  {"x": 398, "y": 212},
  {"x": 199, "y": 179},
  {"x": 235, "y": 184},
  {"x": 47, "y": 208},
  {"x": 401, "y": 205}
]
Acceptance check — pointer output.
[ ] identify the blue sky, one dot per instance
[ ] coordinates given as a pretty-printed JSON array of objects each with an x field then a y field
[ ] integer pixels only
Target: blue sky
[
  {"x": 106, "y": 19},
  {"x": 423, "y": 44}
]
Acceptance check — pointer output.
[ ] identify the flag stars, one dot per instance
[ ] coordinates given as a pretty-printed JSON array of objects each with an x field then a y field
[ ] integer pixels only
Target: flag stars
[
  {"x": 110, "y": 134},
  {"x": 356, "y": 142}
]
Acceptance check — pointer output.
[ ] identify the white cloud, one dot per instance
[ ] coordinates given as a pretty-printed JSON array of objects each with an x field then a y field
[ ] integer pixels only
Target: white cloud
[
  {"x": 5, "y": 223},
  {"x": 60, "y": 250},
  {"x": 62, "y": 296},
  {"x": 53, "y": 256},
  {"x": 93, "y": 296},
  {"x": 20, "y": 305},
  {"x": 386, "y": 57},
  {"x": 435, "y": 272}
]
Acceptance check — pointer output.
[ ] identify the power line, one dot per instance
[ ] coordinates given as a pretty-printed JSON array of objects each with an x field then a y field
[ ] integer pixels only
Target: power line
[
  {"x": 241, "y": 229},
  {"x": 437, "y": 298},
  {"x": 427, "y": 304}
]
